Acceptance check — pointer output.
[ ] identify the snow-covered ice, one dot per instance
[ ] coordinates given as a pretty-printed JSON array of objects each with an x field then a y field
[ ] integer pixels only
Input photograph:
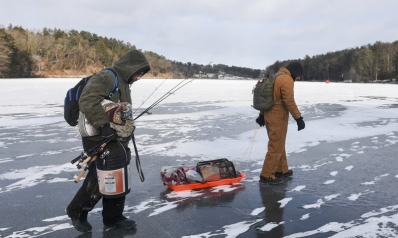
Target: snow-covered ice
[{"x": 344, "y": 162}]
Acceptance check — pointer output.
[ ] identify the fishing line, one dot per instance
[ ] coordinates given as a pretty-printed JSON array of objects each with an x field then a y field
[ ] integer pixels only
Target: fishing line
[
  {"x": 150, "y": 95},
  {"x": 170, "y": 92}
]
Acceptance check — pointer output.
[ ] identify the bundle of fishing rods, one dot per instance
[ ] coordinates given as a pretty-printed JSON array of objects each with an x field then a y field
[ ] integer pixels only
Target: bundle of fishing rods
[{"x": 86, "y": 159}]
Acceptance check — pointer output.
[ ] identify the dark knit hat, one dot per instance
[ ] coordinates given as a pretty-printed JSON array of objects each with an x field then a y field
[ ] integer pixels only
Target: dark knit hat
[{"x": 295, "y": 69}]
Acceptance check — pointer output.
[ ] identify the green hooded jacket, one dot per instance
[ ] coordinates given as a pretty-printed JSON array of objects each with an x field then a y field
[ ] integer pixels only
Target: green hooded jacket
[{"x": 101, "y": 84}]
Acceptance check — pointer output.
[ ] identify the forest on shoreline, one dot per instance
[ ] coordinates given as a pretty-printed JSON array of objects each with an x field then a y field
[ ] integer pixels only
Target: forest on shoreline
[
  {"x": 376, "y": 62},
  {"x": 59, "y": 53}
]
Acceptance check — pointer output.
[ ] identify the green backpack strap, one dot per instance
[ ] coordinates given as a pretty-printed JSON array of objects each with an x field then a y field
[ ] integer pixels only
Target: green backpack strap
[{"x": 275, "y": 76}]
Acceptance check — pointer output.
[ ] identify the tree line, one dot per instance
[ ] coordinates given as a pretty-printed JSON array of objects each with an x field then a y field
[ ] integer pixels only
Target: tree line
[
  {"x": 55, "y": 52},
  {"x": 49, "y": 52},
  {"x": 369, "y": 63}
]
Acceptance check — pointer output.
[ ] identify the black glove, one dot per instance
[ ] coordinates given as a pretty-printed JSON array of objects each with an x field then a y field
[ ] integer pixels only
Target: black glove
[
  {"x": 300, "y": 123},
  {"x": 108, "y": 132},
  {"x": 260, "y": 120}
]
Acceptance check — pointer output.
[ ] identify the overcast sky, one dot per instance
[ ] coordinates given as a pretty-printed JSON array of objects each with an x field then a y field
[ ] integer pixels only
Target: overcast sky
[{"x": 245, "y": 33}]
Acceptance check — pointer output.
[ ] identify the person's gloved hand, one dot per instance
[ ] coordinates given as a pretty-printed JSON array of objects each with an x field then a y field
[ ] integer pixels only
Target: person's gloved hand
[
  {"x": 260, "y": 120},
  {"x": 108, "y": 132},
  {"x": 300, "y": 123}
]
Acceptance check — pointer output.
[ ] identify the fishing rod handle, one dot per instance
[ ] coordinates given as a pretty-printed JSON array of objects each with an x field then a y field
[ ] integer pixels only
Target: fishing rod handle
[
  {"x": 85, "y": 169},
  {"x": 84, "y": 162},
  {"x": 90, "y": 162},
  {"x": 80, "y": 176},
  {"x": 76, "y": 159},
  {"x": 101, "y": 148},
  {"x": 82, "y": 156},
  {"x": 97, "y": 149}
]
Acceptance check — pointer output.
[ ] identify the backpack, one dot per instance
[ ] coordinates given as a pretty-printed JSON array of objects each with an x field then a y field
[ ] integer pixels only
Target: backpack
[
  {"x": 263, "y": 93},
  {"x": 71, "y": 102}
]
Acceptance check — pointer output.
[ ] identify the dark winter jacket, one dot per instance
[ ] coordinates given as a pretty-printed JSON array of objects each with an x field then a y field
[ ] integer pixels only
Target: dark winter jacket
[{"x": 101, "y": 84}]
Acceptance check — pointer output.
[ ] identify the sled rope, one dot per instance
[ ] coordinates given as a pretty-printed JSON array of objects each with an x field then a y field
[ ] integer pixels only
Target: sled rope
[{"x": 250, "y": 147}]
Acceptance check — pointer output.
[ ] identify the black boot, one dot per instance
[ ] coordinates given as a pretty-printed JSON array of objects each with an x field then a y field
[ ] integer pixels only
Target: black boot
[
  {"x": 81, "y": 224},
  {"x": 271, "y": 181},
  {"x": 125, "y": 224},
  {"x": 288, "y": 174}
]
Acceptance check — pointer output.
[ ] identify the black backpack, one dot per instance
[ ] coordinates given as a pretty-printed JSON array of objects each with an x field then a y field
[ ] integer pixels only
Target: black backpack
[{"x": 71, "y": 102}]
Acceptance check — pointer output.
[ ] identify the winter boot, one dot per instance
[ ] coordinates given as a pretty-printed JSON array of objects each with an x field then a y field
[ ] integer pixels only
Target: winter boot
[
  {"x": 81, "y": 224},
  {"x": 271, "y": 181},
  {"x": 288, "y": 174},
  {"x": 125, "y": 224}
]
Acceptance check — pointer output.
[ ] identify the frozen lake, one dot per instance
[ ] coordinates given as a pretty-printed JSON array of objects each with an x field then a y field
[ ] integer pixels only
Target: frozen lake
[{"x": 345, "y": 162}]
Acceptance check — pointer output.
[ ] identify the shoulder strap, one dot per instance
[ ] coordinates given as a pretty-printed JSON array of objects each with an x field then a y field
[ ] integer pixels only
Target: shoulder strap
[
  {"x": 275, "y": 76},
  {"x": 115, "y": 84},
  {"x": 137, "y": 160},
  {"x": 278, "y": 73}
]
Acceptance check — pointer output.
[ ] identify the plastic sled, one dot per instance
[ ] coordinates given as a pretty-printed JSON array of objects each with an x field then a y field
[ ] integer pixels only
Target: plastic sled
[{"x": 192, "y": 186}]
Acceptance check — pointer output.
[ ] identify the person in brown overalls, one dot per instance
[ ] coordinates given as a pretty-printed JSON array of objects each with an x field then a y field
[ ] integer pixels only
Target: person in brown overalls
[{"x": 275, "y": 121}]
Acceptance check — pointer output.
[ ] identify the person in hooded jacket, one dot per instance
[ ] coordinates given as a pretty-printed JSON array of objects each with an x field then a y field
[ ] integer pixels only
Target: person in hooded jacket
[
  {"x": 129, "y": 69},
  {"x": 275, "y": 120}
]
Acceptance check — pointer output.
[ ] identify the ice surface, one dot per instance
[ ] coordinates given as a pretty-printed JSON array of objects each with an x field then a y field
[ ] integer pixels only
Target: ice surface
[{"x": 344, "y": 161}]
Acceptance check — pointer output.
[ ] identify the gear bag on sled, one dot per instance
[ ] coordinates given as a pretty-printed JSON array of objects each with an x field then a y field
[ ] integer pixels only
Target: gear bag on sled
[
  {"x": 71, "y": 102},
  {"x": 205, "y": 171},
  {"x": 213, "y": 170},
  {"x": 263, "y": 93}
]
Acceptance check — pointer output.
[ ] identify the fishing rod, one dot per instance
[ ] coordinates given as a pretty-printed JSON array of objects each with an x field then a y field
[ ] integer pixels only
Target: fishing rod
[
  {"x": 89, "y": 158},
  {"x": 84, "y": 157},
  {"x": 170, "y": 92},
  {"x": 149, "y": 96},
  {"x": 80, "y": 175}
]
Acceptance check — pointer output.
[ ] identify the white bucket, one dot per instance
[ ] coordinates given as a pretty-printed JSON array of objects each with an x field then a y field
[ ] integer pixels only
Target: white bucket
[{"x": 114, "y": 183}]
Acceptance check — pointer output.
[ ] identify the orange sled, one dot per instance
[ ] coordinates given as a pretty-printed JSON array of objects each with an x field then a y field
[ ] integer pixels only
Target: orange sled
[{"x": 191, "y": 186}]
